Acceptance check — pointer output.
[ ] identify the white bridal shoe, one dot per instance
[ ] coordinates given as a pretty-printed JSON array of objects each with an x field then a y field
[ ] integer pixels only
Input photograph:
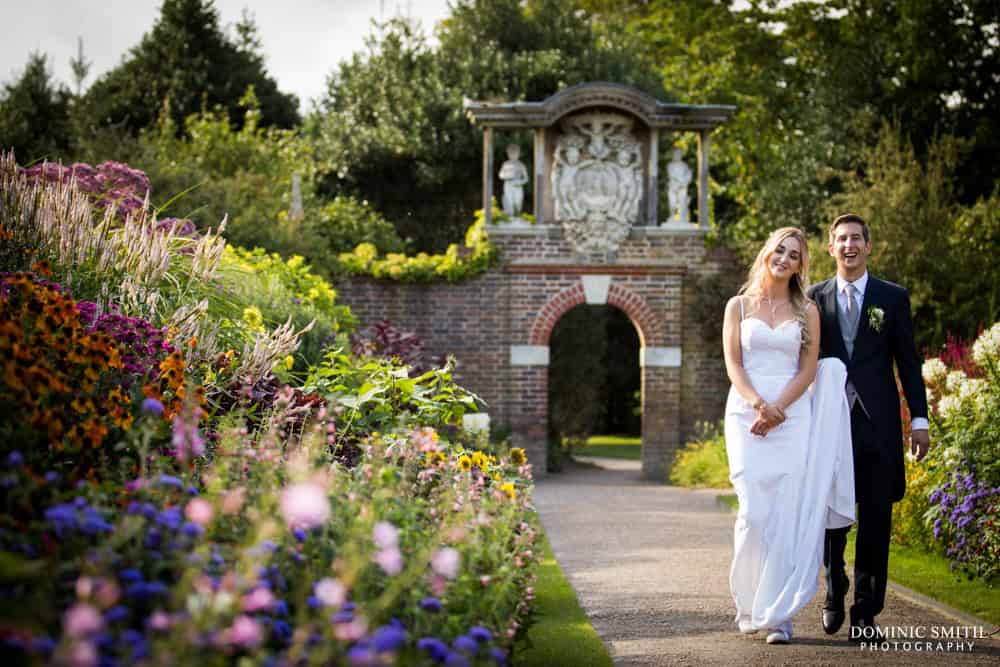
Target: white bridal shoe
[
  {"x": 778, "y": 637},
  {"x": 746, "y": 626}
]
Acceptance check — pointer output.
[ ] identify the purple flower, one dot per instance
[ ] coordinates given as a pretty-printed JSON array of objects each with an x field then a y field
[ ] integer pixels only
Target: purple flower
[
  {"x": 480, "y": 634},
  {"x": 170, "y": 480},
  {"x": 388, "y": 638},
  {"x": 431, "y": 604},
  {"x": 498, "y": 656},
  {"x": 435, "y": 648},
  {"x": 466, "y": 644},
  {"x": 15, "y": 459},
  {"x": 151, "y": 406}
]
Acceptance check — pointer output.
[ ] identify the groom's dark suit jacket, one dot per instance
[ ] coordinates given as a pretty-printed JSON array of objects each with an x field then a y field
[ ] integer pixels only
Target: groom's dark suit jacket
[{"x": 870, "y": 368}]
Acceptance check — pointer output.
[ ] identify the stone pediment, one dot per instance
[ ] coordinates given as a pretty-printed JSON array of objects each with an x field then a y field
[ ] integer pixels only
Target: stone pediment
[{"x": 651, "y": 111}]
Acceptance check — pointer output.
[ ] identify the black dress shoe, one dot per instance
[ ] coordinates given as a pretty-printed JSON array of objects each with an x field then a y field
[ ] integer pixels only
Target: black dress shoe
[
  {"x": 833, "y": 611},
  {"x": 832, "y": 620}
]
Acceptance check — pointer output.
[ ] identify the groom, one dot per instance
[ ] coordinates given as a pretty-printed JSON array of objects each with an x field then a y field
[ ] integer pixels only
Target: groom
[{"x": 865, "y": 322}]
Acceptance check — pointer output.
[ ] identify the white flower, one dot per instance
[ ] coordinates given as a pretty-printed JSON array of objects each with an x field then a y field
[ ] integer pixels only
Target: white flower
[
  {"x": 934, "y": 371},
  {"x": 476, "y": 422},
  {"x": 330, "y": 592},
  {"x": 385, "y": 535},
  {"x": 949, "y": 405},
  {"x": 987, "y": 346},
  {"x": 971, "y": 388},
  {"x": 954, "y": 380}
]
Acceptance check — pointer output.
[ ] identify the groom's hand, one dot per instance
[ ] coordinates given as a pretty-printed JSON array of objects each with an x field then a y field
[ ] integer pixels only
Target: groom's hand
[{"x": 920, "y": 442}]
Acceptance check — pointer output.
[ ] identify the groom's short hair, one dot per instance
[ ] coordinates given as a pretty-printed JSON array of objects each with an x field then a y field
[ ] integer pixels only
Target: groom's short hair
[{"x": 850, "y": 217}]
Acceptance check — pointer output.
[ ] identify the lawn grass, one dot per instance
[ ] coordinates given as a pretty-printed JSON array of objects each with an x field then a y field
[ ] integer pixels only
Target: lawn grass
[
  {"x": 927, "y": 574},
  {"x": 561, "y": 633},
  {"x": 613, "y": 447}
]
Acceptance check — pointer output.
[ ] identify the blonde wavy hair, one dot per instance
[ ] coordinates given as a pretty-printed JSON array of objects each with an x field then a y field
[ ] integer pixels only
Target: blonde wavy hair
[{"x": 797, "y": 286}]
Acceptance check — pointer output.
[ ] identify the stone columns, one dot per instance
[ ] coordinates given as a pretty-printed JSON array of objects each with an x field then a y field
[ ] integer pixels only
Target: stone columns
[
  {"x": 661, "y": 401},
  {"x": 539, "y": 169},
  {"x": 488, "y": 174},
  {"x": 652, "y": 178},
  {"x": 703, "y": 144}
]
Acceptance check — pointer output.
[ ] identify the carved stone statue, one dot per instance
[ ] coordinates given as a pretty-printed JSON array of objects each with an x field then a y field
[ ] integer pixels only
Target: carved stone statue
[
  {"x": 596, "y": 180},
  {"x": 514, "y": 175},
  {"x": 677, "y": 191}
]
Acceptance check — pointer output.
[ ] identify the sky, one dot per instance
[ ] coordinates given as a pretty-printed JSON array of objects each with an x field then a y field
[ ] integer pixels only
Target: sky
[{"x": 303, "y": 40}]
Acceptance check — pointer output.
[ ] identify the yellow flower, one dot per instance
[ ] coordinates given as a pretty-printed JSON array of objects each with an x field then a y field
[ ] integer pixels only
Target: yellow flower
[
  {"x": 254, "y": 318},
  {"x": 464, "y": 463},
  {"x": 295, "y": 261},
  {"x": 479, "y": 460},
  {"x": 518, "y": 457},
  {"x": 508, "y": 488},
  {"x": 289, "y": 362}
]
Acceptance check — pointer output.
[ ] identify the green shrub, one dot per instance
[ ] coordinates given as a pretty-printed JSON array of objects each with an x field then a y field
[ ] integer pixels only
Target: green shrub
[{"x": 703, "y": 462}]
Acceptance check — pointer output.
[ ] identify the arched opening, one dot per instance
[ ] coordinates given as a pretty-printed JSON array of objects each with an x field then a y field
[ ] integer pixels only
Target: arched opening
[{"x": 594, "y": 379}]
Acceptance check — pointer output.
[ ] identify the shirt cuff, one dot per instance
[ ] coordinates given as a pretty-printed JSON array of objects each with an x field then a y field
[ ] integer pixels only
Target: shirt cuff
[{"x": 918, "y": 424}]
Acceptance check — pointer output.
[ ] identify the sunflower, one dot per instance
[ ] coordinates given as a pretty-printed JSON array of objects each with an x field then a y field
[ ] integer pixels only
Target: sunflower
[
  {"x": 464, "y": 463},
  {"x": 508, "y": 488},
  {"x": 518, "y": 457}
]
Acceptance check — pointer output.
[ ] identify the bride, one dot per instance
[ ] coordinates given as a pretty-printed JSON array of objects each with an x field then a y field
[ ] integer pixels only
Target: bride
[{"x": 788, "y": 439}]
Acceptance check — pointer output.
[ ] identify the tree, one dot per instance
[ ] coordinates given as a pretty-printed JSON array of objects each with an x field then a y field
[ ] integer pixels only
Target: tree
[
  {"x": 188, "y": 60},
  {"x": 391, "y": 121},
  {"x": 80, "y": 66},
  {"x": 34, "y": 114}
]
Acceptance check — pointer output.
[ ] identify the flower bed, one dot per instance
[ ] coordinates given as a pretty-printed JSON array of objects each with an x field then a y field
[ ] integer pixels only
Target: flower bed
[{"x": 168, "y": 496}]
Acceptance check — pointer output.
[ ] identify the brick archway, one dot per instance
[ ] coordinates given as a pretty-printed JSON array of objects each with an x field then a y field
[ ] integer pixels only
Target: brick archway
[{"x": 629, "y": 302}]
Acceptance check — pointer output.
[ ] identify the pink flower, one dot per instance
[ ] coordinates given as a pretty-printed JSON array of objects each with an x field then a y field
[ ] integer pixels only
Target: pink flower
[
  {"x": 305, "y": 505},
  {"x": 446, "y": 562},
  {"x": 330, "y": 592},
  {"x": 245, "y": 632},
  {"x": 232, "y": 502},
  {"x": 390, "y": 560},
  {"x": 159, "y": 620},
  {"x": 259, "y": 599},
  {"x": 81, "y": 620},
  {"x": 386, "y": 535},
  {"x": 350, "y": 631},
  {"x": 199, "y": 511},
  {"x": 83, "y": 654}
]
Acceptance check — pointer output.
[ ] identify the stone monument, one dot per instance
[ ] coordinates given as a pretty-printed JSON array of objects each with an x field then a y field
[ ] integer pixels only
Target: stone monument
[
  {"x": 677, "y": 190},
  {"x": 514, "y": 175},
  {"x": 596, "y": 180}
]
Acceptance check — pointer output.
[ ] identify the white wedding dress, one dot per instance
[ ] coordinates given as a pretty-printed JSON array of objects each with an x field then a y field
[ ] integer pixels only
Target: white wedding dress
[{"x": 792, "y": 484}]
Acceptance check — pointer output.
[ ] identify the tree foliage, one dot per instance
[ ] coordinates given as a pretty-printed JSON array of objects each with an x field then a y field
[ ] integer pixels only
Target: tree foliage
[
  {"x": 391, "y": 122},
  {"x": 35, "y": 113},
  {"x": 188, "y": 59}
]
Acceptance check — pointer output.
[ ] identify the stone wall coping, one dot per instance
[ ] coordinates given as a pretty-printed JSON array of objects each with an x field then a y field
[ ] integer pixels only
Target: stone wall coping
[
  {"x": 573, "y": 267},
  {"x": 637, "y": 232}
]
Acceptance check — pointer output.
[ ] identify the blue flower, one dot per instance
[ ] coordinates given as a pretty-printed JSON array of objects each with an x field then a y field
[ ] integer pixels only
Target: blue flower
[
  {"x": 43, "y": 645},
  {"x": 499, "y": 657},
  {"x": 170, "y": 517},
  {"x": 431, "y": 604},
  {"x": 299, "y": 534},
  {"x": 192, "y": 529},
  {"x": 313, "y": 602},
  {"x": 93, "y": 523},
  {"x": 280, "y": 608},
  {"x": 62, "y": 517},
  {"x": 466, "y": 644},
  {"x": 282, "y": 631},
  {"x": 151, "y": 406},
  {"x": 130, "y": 575},
  {"x": 170, "y": 480},
  {"x": 343, "y": 616},
  {"x": 15, "y": 459},
  {"x": 80, "y": 502},
  {"x": 51, "y": 477},
  {"x": 388, "y": 638},
  {"x": 456, "y": 660},
  {"x": 480, "y": 634},
  {"x": 361, "y": 654},
  {"x": 117, "y": 613},
  {"x": 434, "y": 647}
]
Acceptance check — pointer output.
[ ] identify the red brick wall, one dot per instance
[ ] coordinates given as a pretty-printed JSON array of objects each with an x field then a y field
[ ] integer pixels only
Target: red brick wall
[{"x": 520, "y": 302}]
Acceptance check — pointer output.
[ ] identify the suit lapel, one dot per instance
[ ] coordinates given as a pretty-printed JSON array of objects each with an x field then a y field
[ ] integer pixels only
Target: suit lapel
[{"x": 870, "y": 299}]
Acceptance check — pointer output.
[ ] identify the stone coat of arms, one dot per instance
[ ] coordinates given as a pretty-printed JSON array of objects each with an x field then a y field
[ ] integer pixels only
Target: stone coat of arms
[{"x": 597, "y": 180}]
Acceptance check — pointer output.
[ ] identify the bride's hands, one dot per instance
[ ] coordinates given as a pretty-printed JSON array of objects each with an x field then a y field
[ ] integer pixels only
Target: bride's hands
[{"x": 768, "y": 416}]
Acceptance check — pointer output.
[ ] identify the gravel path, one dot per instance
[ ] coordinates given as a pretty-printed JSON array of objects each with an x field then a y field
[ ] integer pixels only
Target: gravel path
[{"x": 650, "y": 566}]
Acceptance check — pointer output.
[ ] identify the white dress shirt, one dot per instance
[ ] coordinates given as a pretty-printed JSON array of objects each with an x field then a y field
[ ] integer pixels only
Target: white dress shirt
[{"x": 918, "y": 423}]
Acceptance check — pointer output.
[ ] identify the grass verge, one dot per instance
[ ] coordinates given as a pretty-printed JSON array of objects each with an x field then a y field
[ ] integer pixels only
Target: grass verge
[
  {"x": 613, "y": 447},
  {"x": 927, "y": 574},
  {"x": 561, "y": 633}
]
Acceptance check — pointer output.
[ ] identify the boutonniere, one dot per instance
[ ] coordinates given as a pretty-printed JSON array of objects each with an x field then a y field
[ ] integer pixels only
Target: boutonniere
[{"x": 875, "y": 318}]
